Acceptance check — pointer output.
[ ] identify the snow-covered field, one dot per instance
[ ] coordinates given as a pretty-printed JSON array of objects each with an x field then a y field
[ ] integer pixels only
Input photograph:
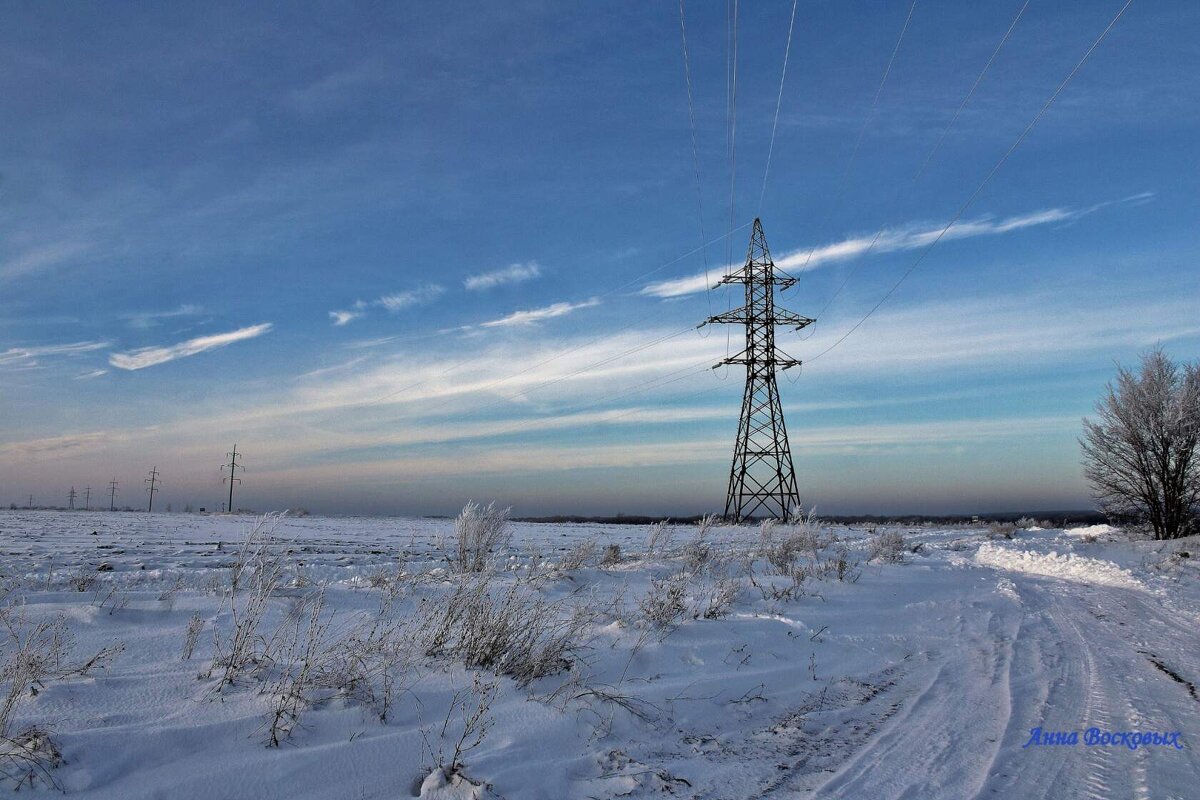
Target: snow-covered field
[{"x": 695, "y": 670}]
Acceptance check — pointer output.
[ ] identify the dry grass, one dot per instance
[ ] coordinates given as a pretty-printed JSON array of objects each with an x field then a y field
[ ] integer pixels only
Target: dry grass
[{"x": 480, "y": 534}]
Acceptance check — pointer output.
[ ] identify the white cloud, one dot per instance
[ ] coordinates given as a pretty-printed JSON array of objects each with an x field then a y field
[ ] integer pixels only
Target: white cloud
[
  {"x": 151, "y": 356},
  {"x": 96, "y": 373},
  {"x": 1036, "y": 328},
  {"x": 59, "y": 443},
  {"x": 678, "y": 287},
  {"x": 149, "y": 319},
  {"x": 44, "y": 257},
  {"x": 23, "y": 357},
  {"x": 890, "y": 240},
  {"x": 514, "y": 273},
  {"x": 413, "y": 398},
  {"x": 536, "y": 315},
  {"x": 413, "y": 297},
  {"x": 363, "y": 344},
  {"x": 397, "y": 301}
]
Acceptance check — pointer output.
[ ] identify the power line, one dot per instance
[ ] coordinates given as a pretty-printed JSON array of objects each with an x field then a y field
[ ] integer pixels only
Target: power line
[
  {"x": 929, "y": 156},
  {"x": 687, "y": 74},
  {"x": 778, "y": 103},
  {"x": 978, "y": 80},
  {"x": 842, "y": 183},
  {"x": 987, "y": 179},
  {"x": 732, "y": 114}
]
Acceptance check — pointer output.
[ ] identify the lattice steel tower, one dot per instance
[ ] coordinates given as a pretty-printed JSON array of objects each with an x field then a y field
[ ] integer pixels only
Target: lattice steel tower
[{"x": 762, "y": 480}]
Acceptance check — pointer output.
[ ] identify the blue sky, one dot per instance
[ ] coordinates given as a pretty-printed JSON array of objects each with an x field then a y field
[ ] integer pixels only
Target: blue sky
[{"x": 404, "y": 255}]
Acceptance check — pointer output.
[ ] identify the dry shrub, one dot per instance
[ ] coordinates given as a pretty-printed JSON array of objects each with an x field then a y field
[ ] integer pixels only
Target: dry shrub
[
  {"x": 665, "y": 604},
  {"x": 578, "y": 555},
  {"x": 474, "y": 705},
  {"x": 513, "y": 632},
  {"x": 800, "y": 551},
  {"x": 191, "y": 635},
  {"x": 167, "y": 596},
  {"x": 723, "y": 593},
  {"x": 32, "y": 653},
  {"x": 299, "y": 654},
  {"x": 82, "y": 580},
  {"x": 612, "y": 555},
  {"x": 886, "y": 546},
  {"x": 260, "y": 574},
  {"x": 659, "y": 538},
  {"x": 1002, "y": 530},
  {"x": 480, "y": 533}
]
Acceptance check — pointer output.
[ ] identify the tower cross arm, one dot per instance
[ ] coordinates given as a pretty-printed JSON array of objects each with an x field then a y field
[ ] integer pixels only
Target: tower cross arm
[
  {"x": 742, "y": 358},
  {"x": 736, "y": 317},
  {"x": 791, "y": 318},
  {"x": 740, "y": 316},
  {"x": 741, "y": 276}
]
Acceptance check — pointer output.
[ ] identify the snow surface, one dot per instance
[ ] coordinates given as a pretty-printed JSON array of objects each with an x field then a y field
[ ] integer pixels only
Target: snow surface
[
  {"x": 917, "y": 679},
  {"x": 1068, "y": 566},
  {"x": 1092, "y": 530}
]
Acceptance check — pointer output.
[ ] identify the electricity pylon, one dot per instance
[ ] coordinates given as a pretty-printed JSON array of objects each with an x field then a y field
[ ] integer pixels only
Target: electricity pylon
[
  {"x": 233, "y": 466},
  {"x": 87, "y": 499},
  {"x": 71, "y": 498},
  {"x": 112, "y": 497},
  {"x": 153, "y": 487},
  {"x": 762, "y": 480}
]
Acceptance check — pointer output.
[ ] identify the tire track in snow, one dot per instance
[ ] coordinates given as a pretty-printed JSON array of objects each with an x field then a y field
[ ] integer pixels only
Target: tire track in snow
[
  {"x": 1094, "y": 676},
  {"x": 944, "y": 741}
]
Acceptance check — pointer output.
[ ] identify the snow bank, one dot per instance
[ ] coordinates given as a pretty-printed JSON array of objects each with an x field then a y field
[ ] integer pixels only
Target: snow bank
[
  {"x": 1091, "y": 530},
  {"x": 438, "y": 787},
  {"x": 1068, "y": 567}
]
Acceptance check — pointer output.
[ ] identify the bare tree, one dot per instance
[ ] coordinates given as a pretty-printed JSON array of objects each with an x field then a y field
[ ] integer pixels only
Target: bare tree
[{"x": 1140, "y": 455}]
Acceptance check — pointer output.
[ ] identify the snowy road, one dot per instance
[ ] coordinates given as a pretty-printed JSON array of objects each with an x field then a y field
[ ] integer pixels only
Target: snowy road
[{"x": 1064, "y": 655}]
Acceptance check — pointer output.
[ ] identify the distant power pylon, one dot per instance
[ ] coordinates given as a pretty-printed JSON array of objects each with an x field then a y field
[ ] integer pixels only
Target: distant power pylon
[
  {"x": 233, "y": 466},
  {"x": 87, "y": 499},
  {"x": 762, "y": 480},
  {"x": 112, "y": 497},
  {"x": 153, "y": 487},
  {"x": 71, "y": 498}
]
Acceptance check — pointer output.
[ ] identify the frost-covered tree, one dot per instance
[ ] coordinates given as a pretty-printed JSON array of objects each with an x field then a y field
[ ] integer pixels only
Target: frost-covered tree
[{"x": 1140, "y": 454}]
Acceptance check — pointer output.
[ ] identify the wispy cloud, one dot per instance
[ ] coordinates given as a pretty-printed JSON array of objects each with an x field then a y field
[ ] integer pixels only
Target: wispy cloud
[
  {"x": 399, "y": 301},
  {"x": 362, "y": 344},
  {"x": 341, "y": 318},
  {"x": 891, "y": 240},
  {"x": 151, "y": 356},
  {"x": 333, "y": 89},
  {"x": 58, "y": 443},
  {"x": 25, "y": 357},
  {"x": 1000, "y": 332},
  {"x": 394, "y": 302},
  {"x": 514, "y": 273},
  {"x": 96, "y": 373},
  {"x": 42, "y": 257},
  {"x": 535, "y": 315},
  {"x": 149, "y": 319}
]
